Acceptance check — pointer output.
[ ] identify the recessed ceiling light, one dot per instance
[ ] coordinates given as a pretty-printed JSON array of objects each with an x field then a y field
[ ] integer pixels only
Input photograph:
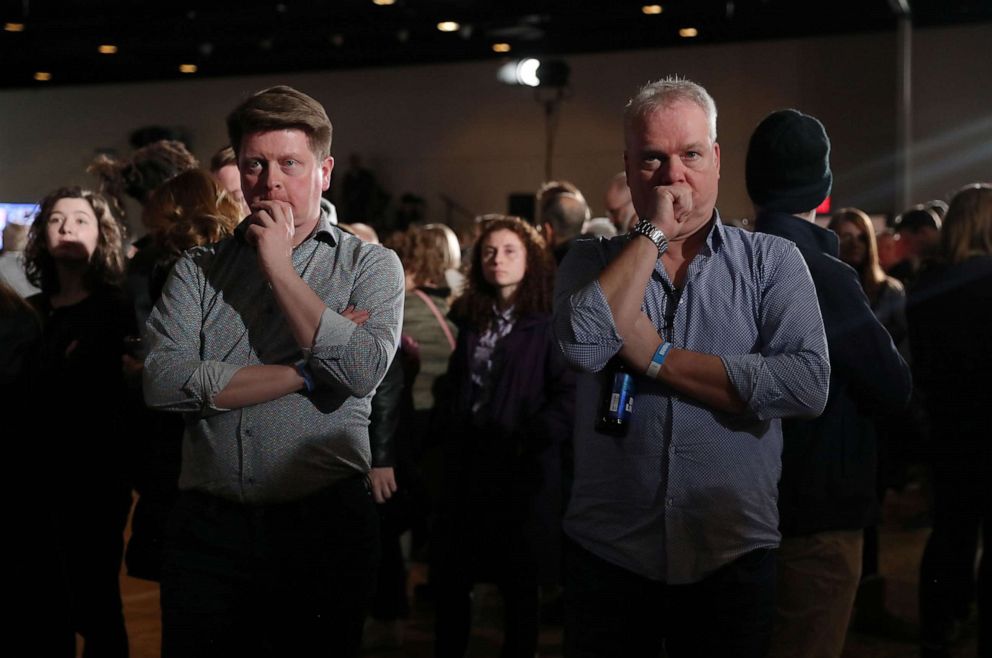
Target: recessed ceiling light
[
  {"x": 651, "y": 10},
  {"x": 13, "y": 27},
  {"x": 688, "y": 32},
  {"x": 108, "y": 49},
  {"x": 383, "y": 3},
  {"x": 501, "y": 47},
  {"x": 448, "y": 26},
  {"x": 187, "y": 68},
  {"x": 42, "y": 76}
]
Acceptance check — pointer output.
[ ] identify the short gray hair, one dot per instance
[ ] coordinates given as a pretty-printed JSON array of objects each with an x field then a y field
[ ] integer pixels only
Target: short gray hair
[{"x": 665, "y": 93}]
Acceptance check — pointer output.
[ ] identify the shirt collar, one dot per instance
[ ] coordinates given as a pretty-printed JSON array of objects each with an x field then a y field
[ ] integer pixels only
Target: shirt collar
[
  {"x": 504, "y": 316},
  {"x": 715, "y": 238}
]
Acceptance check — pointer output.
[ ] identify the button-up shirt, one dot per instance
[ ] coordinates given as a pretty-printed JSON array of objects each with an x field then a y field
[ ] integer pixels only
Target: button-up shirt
[
  {"x": 690, "y": 488},
  {"x": 218, "y": 314}
]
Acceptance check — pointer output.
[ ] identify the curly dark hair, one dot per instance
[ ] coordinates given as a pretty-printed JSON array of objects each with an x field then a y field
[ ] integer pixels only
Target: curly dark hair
[
  {"x": 106, "y": 266},
  {"x": 475, "y": 305},
  {"x": 138, "y": 175}
]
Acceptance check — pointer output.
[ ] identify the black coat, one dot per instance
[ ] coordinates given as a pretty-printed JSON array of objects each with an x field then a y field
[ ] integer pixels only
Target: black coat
[
  {"x": 949, "y": 313},
  {"x": 502, "y": 490},
  {"x": 829, "y": 462}
]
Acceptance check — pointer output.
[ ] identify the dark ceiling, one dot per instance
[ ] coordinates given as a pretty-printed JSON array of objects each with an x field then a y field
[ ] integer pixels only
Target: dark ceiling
[{"x": 61, "y": 38}]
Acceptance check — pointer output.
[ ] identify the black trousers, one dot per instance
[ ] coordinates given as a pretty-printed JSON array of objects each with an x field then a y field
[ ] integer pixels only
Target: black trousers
[
  {"x": 91, "y": 535},
  {"x": 292, "y": 579},
  {"x": 610, "y": 611},
  {"x": 962, "y": 512}
]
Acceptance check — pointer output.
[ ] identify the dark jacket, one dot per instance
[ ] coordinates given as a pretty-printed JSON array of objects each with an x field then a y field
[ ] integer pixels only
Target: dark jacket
[
  {"x": 829, "y": 462},
  {"x": 384, "y": 417},
  {"x": 949, "y": 313},
  {"x": 508, "y": 459}
]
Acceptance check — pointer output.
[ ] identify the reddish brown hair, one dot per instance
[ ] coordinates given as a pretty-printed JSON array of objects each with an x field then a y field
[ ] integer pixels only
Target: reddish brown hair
[{"x": 475, "y": 305}]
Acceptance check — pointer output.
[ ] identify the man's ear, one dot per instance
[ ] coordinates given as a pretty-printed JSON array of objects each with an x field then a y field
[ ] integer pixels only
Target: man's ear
[
  {"x": 326, "y": 167},
  {"x": 547, "y": 232}
]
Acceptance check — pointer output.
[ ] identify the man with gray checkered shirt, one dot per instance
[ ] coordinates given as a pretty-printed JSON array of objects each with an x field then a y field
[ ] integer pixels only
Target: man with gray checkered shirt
[{"x": 271, "y": 344}]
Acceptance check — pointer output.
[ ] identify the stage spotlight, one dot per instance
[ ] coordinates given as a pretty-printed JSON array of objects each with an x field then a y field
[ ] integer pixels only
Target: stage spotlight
[{"x": 531, "y": 72}]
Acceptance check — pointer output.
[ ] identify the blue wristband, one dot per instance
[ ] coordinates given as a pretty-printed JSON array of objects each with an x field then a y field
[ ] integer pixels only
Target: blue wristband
[
  {"x": 658, "y": 359},
  {"x": 304, "y": 372}
]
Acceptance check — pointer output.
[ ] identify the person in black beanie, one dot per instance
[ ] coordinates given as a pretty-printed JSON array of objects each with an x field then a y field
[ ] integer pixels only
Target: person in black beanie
[{"x": 827, "y": 490}]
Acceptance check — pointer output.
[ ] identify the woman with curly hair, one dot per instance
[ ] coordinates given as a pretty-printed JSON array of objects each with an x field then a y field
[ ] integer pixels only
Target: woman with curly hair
[
  {"x": 75, "y": 255},
  {"x": 507, "y": 410}
]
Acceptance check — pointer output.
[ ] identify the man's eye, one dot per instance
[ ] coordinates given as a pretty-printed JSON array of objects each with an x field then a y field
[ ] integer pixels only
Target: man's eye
[
  {"x": 253, "y": 165},
  {"x": 291, "y": 163},
  {"x": 692, "y": 155}
]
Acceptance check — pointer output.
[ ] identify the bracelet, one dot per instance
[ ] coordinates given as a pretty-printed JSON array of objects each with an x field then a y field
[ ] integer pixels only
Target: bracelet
[
  {"x": 652, "y": 233},
  {"x": 658, "y": 359},
  {"x": 304, "y": 372}
]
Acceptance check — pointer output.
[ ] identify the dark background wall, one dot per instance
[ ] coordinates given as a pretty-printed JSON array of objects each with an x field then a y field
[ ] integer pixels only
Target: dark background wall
[{"x": 453, "y": 130}]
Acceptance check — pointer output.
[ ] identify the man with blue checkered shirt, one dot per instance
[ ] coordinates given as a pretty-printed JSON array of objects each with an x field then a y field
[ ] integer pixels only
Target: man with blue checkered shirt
[{"x": 673, "y": 526}]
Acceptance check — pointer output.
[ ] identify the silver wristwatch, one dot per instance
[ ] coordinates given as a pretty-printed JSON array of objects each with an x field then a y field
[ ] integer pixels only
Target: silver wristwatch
[{"x": 652, "y": 233}]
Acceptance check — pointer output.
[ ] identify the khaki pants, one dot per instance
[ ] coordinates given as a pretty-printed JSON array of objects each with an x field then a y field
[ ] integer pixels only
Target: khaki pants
[{"x": 817, "y": 579}]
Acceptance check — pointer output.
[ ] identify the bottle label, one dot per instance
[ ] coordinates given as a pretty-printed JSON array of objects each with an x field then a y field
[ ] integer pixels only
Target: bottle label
[{"x": 622, "y": 397}]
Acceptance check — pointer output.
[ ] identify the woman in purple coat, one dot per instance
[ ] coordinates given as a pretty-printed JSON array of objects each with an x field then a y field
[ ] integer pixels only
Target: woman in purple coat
[{"x": 507, "y": 413}]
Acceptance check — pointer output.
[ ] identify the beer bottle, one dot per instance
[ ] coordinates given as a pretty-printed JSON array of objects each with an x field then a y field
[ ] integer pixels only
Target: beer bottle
[{"x": 616, "y": 406}]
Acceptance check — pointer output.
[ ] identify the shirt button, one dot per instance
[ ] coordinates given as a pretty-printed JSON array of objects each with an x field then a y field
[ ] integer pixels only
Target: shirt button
[{"x": 669, "y": 502}]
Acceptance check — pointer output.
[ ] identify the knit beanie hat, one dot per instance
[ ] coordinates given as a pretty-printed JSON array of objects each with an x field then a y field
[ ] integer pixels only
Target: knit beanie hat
[{"x": 788, "y": 163}]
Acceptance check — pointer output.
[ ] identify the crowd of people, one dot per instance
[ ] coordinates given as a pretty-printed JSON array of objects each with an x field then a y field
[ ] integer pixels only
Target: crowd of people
[{"x": 678, "y": 426}]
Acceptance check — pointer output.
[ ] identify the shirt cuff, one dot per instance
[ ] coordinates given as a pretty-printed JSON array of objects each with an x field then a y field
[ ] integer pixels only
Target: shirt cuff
[
  {"x": 334, "y": 330},
  {"x": 209, "y": 379},
  {"x": 592, "y": 320},
  {"x": 746, "y": 372}
]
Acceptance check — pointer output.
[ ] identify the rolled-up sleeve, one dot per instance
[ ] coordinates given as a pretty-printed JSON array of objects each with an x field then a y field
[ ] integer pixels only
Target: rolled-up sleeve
[
  {"x": 583, "y": 322},
  {"x": 174, "y": 376},
  {"x": 352, "y": 357},
  {"x": 790, "y": 375}
]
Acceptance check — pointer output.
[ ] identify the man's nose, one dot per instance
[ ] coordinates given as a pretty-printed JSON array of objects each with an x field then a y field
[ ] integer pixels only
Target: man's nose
[
  {"x": 672, "y": 171},
  {"x": 272, "y": 178}
]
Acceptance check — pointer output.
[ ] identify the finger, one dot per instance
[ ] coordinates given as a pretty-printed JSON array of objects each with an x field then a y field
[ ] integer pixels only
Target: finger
[
  {"x": 681, "y": 200},
  {"x": 281, "y": 211},
  {"x": 261, "y": 216}
]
